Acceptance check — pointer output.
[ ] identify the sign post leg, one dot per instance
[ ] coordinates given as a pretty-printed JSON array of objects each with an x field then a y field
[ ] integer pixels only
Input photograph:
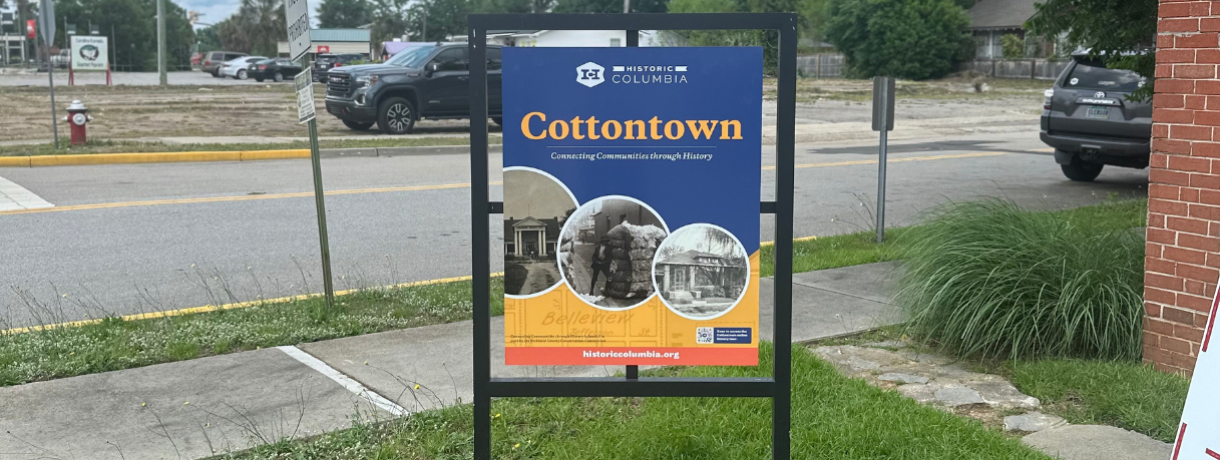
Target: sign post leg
[
  {"x": 315, "y": 158},
  {"x": 51, "y": 81},
  {"x": 481, "y": 243},
  {"x": 785, "y": 183}
]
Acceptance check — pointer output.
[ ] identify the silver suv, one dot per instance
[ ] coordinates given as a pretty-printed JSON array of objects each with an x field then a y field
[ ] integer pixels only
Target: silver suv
[{"x": 1091, "y": 122}]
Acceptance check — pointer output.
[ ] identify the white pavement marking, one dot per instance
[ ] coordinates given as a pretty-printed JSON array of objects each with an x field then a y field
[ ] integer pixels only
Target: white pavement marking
[
  {"x": 343, "y": 380},
  {"x": 14, "y": 197}
]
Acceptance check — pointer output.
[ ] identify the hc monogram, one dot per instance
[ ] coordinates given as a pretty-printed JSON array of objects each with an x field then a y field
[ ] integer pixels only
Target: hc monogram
[{"x": 590, "y": 74}]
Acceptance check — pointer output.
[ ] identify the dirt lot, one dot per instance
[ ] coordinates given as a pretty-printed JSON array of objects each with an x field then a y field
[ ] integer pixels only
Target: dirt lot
[{"x": 126, "y": 112}]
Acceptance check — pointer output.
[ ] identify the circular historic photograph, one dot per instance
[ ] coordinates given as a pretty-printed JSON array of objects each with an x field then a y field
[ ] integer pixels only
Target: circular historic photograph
[
  {"x": 606, "y": 251},
  {"x": 701, "y": 271},
  {"x": 536, "y": 206}
]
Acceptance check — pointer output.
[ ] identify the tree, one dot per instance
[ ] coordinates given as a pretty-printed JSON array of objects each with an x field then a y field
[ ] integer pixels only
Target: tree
[
  {"x": 389, "y": 20},
  {"x": 1110, "y": 30},
  {"x": 257, "y": 27},
  {"x": 915, "y": 39},
  {"x": 343, "y": 14},
  {"x": 135, "y": 30},
  {"x": 441, "y": 17}
]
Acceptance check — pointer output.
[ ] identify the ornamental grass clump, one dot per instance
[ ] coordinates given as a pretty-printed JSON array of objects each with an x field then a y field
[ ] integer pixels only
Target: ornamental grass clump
[{"x": 988, "y": 279}]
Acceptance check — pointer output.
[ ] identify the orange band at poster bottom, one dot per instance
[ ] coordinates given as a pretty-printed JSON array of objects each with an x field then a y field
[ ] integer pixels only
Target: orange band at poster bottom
[{"x": 648, "y": 356}]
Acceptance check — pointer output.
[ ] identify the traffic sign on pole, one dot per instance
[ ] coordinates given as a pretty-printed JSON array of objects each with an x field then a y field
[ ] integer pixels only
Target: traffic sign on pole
[{"x": 297, "y": 16}]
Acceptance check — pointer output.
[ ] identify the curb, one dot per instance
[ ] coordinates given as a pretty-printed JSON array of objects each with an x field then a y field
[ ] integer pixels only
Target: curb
[{"x": 235, "y": 155}]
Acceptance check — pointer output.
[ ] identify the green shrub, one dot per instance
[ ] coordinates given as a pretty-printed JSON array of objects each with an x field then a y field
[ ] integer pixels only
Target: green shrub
[
  {"x": 987, "y": 278},
  {"x": 1013, "y": 47},
  {"x": 911, "y": 39}
]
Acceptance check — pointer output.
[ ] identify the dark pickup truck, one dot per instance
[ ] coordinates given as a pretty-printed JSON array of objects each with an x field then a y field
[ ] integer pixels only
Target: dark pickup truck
[
  {"x": 424, "y": 81},
  {"x": 1091, "y": 122}
]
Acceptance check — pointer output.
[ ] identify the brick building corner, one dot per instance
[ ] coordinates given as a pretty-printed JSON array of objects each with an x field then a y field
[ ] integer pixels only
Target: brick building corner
[{"x": 1182, "y": 260}]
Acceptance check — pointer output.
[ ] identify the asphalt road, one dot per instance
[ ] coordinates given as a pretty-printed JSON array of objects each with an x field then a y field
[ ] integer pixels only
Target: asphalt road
[{"x": 131, "y": 238}]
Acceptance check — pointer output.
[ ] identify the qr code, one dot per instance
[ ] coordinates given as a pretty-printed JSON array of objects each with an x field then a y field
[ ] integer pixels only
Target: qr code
[{"x": 704, "y": 335}]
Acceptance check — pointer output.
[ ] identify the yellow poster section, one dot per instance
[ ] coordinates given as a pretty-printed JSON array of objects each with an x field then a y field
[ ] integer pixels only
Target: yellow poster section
[{"x": 560, "y": 319}]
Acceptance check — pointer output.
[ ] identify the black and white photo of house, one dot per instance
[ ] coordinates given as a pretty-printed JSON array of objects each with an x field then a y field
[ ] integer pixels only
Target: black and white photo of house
[
  {"x": 607, "y": 249},
  {"x": 701, "y": 271},
  {"x": 535, "y": 208}
]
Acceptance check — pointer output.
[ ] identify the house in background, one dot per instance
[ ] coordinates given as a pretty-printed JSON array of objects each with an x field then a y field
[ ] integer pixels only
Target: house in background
[
  {"x": 336, "y": 41},
  {"x": 990, "y": 20},
  {"x": 530, "y": 237},
  {"x": 700, "y": 275}
]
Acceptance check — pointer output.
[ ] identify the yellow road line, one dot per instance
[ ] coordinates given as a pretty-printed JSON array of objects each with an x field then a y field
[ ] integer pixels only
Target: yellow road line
[
  {"x": 223, "y": 199},
  {"x": 228, "y": 306},
  {"x": 794, "y": 240}
]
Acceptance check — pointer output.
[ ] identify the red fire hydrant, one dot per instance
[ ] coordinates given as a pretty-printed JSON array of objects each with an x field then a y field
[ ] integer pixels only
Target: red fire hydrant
[{"x": 77, "y": 117}]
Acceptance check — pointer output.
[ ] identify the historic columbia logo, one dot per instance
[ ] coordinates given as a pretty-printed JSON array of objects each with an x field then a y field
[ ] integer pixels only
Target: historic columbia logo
[{"x": 590, "y": 74}]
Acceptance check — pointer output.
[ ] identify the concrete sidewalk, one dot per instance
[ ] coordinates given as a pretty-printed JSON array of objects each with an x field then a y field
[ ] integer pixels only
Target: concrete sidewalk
[{"x": 198, "y": 408}]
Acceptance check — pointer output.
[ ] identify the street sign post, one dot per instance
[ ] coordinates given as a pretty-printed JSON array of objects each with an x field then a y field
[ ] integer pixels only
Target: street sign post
[
  {"x": 297, "y": 15},
  {"x": 883, "y": 121},
  {"x": 299, "y": 41},
  {"x": 304, "y": 86},
  {"x": 46, "y": 23},
  {"x": 778, "y": 387}
]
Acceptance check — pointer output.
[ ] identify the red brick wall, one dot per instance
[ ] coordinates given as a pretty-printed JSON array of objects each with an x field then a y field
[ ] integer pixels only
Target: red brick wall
[{"x": 1183, "y": 249}]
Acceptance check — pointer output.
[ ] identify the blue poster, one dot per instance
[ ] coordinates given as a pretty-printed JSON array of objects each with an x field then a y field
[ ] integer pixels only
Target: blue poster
[{"x": 631, "y": 191}]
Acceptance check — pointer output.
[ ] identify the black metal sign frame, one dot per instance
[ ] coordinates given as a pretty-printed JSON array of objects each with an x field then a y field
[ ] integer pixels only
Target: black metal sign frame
[{"x": 779, "y": 386}]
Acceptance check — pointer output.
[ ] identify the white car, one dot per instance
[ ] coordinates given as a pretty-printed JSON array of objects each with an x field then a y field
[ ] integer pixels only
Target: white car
[{"x": 237, "y": 68}]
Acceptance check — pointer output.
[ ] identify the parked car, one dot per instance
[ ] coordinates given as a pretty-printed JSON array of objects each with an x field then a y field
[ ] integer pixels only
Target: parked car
[
  {"x": 63, "y": 59},
  {"x": 215, "y": 59},
  {"x": 276, "y": 69},
  {"x": 326, "y": 62},
  {"x": 1090, "y": 120},
  {"x": 426, "y": 81},
  {"x": 239, "y": 68}
]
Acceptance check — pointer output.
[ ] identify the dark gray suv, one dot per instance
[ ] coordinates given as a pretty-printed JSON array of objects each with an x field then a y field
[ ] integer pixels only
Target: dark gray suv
[
  {"x": 1090, "y": 121},
  {"x": 424, "y": 81}
]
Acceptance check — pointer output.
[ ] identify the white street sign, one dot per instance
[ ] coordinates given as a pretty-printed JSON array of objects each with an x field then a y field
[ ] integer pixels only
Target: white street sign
[
  {"x": 304, "y": 83},
  {"x": 299, "y": 42},
  {"x": 1198, "y": 437},
  {"x": 90, "y": 52}
]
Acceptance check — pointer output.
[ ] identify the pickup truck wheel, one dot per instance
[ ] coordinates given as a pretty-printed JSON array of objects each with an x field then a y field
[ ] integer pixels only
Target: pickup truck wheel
[
  {"x": 356, "y": 125},
  {"x": 396, "y": 115},
  {"x": 278, "y": 77},
  {"x": 1080, "y": 171}
]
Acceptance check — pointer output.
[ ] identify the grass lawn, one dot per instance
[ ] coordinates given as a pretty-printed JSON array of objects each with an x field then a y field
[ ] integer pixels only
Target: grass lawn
[
  {"x": 109, "y": 146},
  {"x": 115, "y": 344},
  {"x": 1125, "y": 394},
  {"x": 833, "y": 417}
]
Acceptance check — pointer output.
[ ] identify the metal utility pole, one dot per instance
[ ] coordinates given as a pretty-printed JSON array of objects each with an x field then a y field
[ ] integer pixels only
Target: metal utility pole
[
  {"x": 883, "y": 120},
  {"x": 424, "y": 37},
  {"x": 46, "y": 24},
  {"x": 626, "y": 6},
  {"x": 161, "y": 42}
]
